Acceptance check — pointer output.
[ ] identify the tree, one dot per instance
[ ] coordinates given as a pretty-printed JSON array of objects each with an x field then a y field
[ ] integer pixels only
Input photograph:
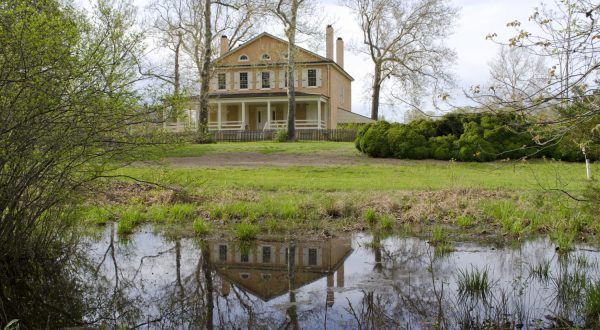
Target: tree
[
  {"x": 567, "y": 36},
  {"x": 404, "y": 40},
  {"x": 515, "y": 74},
  {"x": 297, "y": 16},
  {"x": 68, "y": 109}
]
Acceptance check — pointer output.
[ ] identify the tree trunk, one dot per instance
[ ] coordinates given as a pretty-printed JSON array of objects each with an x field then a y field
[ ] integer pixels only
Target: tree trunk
[
  {"x": 205, "y": 74},
  {"x": 291, "y": 65},
  {"x": 208, "y": 281},
  {"x": 376, "y": 88}
]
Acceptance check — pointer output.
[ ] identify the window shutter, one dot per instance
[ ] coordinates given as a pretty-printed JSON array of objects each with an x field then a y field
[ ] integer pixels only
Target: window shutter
[
  {"x": 282, "y": 78},
  {"x": 296, "y": 78},
  {"x": 272, "y": 79},
  {"x": 318, "y": 77},
  {"x": 258, "y": 80},
  {"x": 228, "y": 80},
  {"x": 213, "y": 83},
  {"x": 236, "y": 77},
  {"x": 305, "y": 78}
]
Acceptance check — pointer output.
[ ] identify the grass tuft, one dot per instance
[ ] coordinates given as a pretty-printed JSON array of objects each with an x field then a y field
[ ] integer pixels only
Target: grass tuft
[
  {"x": 130, "y": 218},
  {"x": 245, "y": 231},
  {"x": 473, "y": 283},
  {"x": 370, "y": 217},
  {"x": 201, "y": 227}
]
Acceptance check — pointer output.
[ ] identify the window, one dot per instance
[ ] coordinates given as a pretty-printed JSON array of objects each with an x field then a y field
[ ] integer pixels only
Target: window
[
  {"x": 222, "y": 252},
  {"x": 222, "y": 81},
  {"x": 312, "y": 78},
  {"x": 285, "y": 80},
  {"x": 265, "y": 57},
  {"x": 266, "y": 254},
  {"x": 244, "y": 276},
  {"x": 266, "y": 79},
  {"x": 244, "y": 257},
  {"x": 266, "y": 276},
  {"x": 243, "y": 58},
  {"x": 243, "y": 80},
  {"x": 312, "y": 257}
]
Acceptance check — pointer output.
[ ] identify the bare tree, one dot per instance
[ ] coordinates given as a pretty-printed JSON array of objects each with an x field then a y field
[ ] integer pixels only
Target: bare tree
[
  {"x": 567, "y": 37},
  {"x": 297, "y": 17},
  {"x": 404, "y": 40},
  {"x": 515, "y": 74}
]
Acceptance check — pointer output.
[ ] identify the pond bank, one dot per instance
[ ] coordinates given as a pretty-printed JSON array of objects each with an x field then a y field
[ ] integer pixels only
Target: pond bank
[{"x": 248, "y": 214}]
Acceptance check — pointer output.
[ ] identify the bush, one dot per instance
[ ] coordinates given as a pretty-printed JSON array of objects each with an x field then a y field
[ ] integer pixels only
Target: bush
[
  {"x": 374, "y": 141},
  {"x": 280, "y": 136},
  {"x": 245, "y": 231},
  {"x": 202, "y": 138},
  {"x": 200, "y": 227}
]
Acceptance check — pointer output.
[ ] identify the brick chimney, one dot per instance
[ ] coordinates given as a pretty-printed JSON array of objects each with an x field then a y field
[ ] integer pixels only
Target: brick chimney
[
  {"x": 339, "y": 52},
  {"x": 329, "y": 42},
  {"x": 224, "y": 46}
]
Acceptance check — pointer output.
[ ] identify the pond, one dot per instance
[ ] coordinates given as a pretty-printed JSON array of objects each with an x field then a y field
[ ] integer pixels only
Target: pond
[{"x": 359, "y": 281}]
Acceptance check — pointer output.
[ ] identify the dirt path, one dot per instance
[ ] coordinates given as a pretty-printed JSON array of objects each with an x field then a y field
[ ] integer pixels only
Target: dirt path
[{"x": 251, "y": 159}]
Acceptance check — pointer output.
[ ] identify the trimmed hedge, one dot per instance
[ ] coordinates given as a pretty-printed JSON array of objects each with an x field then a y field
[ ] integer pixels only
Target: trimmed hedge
[{"x": 464, "y": 137}]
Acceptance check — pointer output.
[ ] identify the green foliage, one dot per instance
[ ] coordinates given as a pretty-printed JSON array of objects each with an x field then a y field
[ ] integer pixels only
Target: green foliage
[
  {"x": 200, "y": 227},
  {"x": 280, "y": 136},
  {"x": 180, "y": 212},
  {"x": 468, "y": 137},
  {"x": 437, "y": 235},
  {"x": 245, "y": 231},
  {"x": 465, "y": 221},
  {"x": 96, "y": 215}
]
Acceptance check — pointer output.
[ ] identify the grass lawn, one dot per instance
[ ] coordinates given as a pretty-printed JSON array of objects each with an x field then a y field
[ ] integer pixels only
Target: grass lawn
[
  {"x": 264, "y": 147},
  {"x": 513, "y": 197},
  {"x": 424, "y": 175}
]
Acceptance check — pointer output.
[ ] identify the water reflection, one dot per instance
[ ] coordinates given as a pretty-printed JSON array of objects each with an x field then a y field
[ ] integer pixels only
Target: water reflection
[{"x": 368, "y": 282}]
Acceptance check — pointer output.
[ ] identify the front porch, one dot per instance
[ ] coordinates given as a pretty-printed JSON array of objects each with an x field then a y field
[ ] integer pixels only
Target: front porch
[{"x": 266, "y": 114}]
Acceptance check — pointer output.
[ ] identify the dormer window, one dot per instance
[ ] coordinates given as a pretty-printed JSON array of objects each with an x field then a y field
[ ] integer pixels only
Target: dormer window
[
  {"x": 265, "y": 57},
  {"x": 243, "y": 58}
]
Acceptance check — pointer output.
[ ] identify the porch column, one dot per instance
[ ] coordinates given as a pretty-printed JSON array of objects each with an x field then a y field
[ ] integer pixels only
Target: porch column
[
  {"x": 243, "y": 116},
  {"x": 319, "y": 114},
  {"x": 219, "y": 116},
  {"x": 268, "y": 115}
]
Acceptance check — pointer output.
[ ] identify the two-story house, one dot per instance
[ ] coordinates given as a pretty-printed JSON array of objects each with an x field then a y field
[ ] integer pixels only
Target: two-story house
[{"x": 248, "y": 89}]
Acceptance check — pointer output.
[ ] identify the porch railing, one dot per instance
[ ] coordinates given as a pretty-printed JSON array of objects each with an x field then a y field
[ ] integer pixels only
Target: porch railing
[
  {"x": 226, "y": 125},
  {"x": 300, "y": 124}
]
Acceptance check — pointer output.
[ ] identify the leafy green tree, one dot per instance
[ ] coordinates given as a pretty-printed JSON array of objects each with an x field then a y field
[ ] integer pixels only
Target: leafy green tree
[{"x": 68, "y": 108}]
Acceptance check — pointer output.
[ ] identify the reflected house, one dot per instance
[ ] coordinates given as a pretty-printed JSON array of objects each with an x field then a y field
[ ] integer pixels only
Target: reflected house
[{"x": 262, "y": 269}]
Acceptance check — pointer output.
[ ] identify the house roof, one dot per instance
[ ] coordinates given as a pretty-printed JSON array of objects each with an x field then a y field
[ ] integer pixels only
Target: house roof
[{"x": 322, "y": 59}]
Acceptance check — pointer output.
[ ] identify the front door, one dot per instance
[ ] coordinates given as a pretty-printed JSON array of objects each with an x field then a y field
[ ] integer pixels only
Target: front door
[{"x": 261, "y": 117}]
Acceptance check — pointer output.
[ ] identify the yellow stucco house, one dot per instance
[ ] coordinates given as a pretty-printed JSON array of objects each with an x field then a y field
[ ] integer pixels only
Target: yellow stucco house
[{"x": 248, "y": 89}]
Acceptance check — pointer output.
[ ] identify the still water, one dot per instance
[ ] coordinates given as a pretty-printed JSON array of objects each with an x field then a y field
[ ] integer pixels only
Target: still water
[{"x": 360, "y": 281}]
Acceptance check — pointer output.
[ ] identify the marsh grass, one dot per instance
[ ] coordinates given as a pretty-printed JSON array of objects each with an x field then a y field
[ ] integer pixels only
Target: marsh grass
[
  {"x": 474, "y": 283},
  {"x": 97, "y": 215},
  {"x": 592, "y": 305},
  {"x": 386, "y": 222},
  {"x": 540, "y": 271},
  {"x": 564, "y": 240},
  {"x": 129, "y": 219},
  {"x": 245, "y": 231},
  {"x": 371, "y": 218},
  {"x": 201, "y": 227},
  {"x": 465, "y": 221}
]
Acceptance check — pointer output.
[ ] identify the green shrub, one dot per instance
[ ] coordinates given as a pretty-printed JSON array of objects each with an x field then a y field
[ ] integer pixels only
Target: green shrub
[
  {"x": 374, "y": 142},
  {"x": 200, "y": 227},
  {"x": 280, "y": 136}
]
